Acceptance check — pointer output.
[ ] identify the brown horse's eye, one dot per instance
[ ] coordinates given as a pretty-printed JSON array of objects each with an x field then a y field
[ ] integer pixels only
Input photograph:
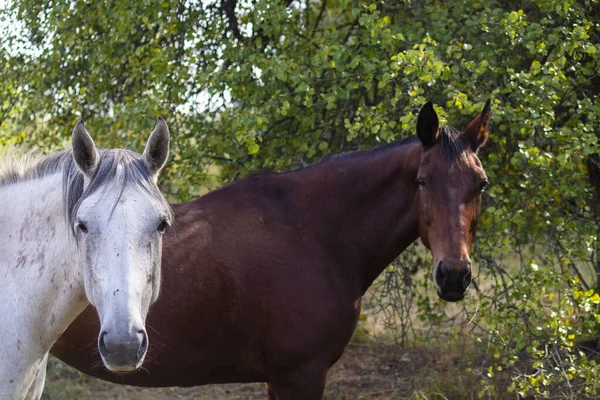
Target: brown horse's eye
[
  {"x": 421, "y": 182},
  {"x": 483, "y": 185}
]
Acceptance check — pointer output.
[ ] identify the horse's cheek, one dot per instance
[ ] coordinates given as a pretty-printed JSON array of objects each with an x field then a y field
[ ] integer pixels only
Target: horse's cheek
[
  {"x": 474, "y": 214},
  {"x": 424, "y": 221},
  {"x": 423, "y": 232},
  {"x": 91, "y": 280}
]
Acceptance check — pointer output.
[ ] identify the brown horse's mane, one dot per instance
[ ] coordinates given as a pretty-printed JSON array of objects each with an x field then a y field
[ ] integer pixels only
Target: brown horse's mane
[
  {"x": 367, "y": 152},
  {"x": 452, "y": 145},
  {"x": 329, "y": 158}
]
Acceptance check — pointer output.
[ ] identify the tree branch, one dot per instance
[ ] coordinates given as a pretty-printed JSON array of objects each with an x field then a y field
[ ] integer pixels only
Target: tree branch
[
  {"x": 321, "y": 12},
  {"x": 228, "y": 6}
]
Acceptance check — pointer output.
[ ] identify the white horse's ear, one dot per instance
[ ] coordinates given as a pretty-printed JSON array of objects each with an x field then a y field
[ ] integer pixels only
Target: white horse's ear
[
  {"x": 156, "y": 152},
  {"x": 84, "y": 150}
]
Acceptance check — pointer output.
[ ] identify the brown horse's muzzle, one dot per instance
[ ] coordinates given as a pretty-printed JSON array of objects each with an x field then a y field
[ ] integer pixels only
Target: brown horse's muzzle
[{"x": 452, "y": 279}]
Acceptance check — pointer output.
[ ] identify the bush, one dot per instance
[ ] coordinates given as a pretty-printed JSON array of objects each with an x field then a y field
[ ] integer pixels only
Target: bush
[{"x": 265, "y": 84}]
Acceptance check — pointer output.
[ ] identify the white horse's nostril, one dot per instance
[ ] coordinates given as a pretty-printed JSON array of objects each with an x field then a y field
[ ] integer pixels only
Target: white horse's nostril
[
  {"x": 143, "y": 345},
  {"x": 102, "y": 343}
]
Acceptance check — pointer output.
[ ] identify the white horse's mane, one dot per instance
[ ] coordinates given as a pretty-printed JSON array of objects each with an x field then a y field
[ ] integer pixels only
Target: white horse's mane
[{"x": 17, "y": 165}]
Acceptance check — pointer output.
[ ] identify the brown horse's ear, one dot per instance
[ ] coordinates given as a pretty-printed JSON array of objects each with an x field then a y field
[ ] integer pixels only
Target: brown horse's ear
[
  {"x": 428, "y": 125},
  {"x": 477, "y": 131}
]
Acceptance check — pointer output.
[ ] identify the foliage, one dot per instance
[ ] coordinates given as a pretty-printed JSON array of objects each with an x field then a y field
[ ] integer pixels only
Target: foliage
[{"x": 266, "y": 84}]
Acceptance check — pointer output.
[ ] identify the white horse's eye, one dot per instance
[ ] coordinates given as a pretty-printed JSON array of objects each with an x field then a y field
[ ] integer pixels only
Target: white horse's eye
[
  {"x": 81, "y": 227},
  {"x": 162, "y": 226}
]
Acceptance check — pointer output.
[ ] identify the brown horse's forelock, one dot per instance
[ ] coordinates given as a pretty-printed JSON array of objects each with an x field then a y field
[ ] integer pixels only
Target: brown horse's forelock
[{"x": 453, "y": 145}]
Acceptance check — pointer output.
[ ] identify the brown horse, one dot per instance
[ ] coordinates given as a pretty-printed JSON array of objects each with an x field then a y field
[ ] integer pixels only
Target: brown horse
[{"x": 262, "y": 279}]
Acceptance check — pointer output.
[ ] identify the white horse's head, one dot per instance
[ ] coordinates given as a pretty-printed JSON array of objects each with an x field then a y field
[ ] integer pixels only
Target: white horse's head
[{"x": 118, "y": 221}]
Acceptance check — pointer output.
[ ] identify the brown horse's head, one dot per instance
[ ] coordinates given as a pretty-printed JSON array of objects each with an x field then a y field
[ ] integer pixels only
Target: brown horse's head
[{"x": 450, "y": 183}]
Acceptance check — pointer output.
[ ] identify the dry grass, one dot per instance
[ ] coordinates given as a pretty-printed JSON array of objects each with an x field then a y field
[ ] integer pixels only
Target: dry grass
[{"x": 368, "y": 370}]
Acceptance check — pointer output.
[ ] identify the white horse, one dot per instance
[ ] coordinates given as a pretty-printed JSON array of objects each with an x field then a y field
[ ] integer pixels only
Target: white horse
[{"x": 76, "y": 226}]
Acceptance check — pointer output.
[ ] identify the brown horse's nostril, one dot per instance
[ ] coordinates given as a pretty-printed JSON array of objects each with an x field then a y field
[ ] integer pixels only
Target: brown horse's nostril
[
  {"x": 441, "y": 275},
  {"x": 467, "y": 280},
  {"x": 452, "y": 280}
]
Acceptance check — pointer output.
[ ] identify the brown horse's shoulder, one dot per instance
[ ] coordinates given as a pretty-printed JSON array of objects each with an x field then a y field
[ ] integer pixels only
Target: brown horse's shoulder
[
  {"x": 191, "y": 229},
  {"x": 260, "y": 194}
]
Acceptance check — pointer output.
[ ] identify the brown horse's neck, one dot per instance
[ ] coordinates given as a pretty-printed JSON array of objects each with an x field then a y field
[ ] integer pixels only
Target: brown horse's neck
[{"x": 367, "y": 199}]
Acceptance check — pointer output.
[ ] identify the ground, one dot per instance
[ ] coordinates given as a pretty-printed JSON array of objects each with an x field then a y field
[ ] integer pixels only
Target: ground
[{"x": 368, "y": 370}]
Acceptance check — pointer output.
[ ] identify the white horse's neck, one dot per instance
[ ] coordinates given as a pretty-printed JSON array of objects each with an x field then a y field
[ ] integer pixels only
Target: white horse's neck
[{"x": 41, "y": 285}]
